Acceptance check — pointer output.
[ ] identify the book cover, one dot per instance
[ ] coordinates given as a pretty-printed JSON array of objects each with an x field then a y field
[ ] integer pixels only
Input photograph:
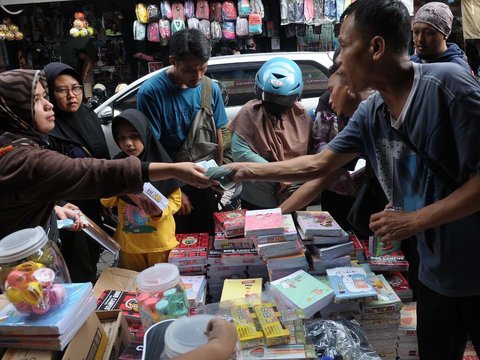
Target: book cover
[
  {"x": 304, "y": 291},
  {"x": 399, "y": 284},
  {"x": 192, "y": 242},
  {"x": 333, "y": 251},
  {"x": 263, "y": 222},
  {"x": 289, "y": 232},
  {"x": 331, "y": 240},
  {"x": 377, "y": 247},
  {"x": 351, "y": 283},
  {"x": 394, "y": 261},
  {"x": 223, "y": 242},
  {"x": 242, "y": 289},
  {"x": 55, "y": 322},
  {"x": 318, "y": 223},
  {"x": 155, "y": 196},
  {"x": 277, "y": 249},
  {"x": 229, "y": 221},
  {"x": 386, "y": 295},
  {"x": 126, "y": 301}
]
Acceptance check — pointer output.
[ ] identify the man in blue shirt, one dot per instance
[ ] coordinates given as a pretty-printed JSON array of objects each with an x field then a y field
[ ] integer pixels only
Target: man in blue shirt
[
  {"x": 170, "y": 101},
  {"x": 420, "y": 132}
]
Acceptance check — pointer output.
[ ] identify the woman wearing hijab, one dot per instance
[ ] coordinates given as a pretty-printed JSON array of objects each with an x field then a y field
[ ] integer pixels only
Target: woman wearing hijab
[
  {"x": 274, "y": 127},
  {"x": 145, "y": 233},
  {"x": 33, "y": 178},
  {"x": 77, "y": 134}
]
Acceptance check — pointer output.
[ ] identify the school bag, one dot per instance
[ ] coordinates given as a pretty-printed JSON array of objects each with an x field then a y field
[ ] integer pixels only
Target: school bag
[
  {"x": 256, "y": 6},
  {"x": 177, "y": 11},
  {"x": 139, "y": 30},
  {"x": 243, "y": 8},
  {"x": 229, "y": 11},
  {"x": 177, "y": 25},
  {"x": 309, "y": 12},
  {"x": 193, "y": 23},
  {"x": 203, "y": 10},
  {"x": 205, "y": 28},
  {"x": 216, "y": 30},
  {"x": 189, "y": 9},
  {"x": 201, "y": 142},
  {"x": 255, "y": 24},
  {"x": 242, "y": 27},
  {"x": 164, "y": 29},
  {"x": 142, "y": 13},
  {"x": 216, "y": 9},
  {"x": 228, "y": 30},
  {"x": 153, "y": 33},
  {"x": 154, "y": 13},
  {"x": 166, "y": 9}
]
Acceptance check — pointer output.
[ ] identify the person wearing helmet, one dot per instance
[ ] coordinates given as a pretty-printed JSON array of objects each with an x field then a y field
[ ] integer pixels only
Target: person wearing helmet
[
  {"x": 273, "y": 127},
  {"x": 99, "y": 96}
]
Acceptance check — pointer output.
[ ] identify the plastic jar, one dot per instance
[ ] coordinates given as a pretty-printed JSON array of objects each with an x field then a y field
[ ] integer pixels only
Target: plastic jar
[
  {"x": 31, "y": 245},
  {"x": 184, "y": 335},
  {"x": 160, "y": 294}
]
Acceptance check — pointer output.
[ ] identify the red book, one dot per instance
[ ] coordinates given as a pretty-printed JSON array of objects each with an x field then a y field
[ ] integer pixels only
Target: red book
[
  {"x": 231, "y": 223},
  {"x": 192, "y": 241},
  {"x": 120, "y": 300}
]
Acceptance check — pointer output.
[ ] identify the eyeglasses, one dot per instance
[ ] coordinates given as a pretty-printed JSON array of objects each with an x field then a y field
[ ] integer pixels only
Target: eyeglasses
[{"x": 77, "y": 90}]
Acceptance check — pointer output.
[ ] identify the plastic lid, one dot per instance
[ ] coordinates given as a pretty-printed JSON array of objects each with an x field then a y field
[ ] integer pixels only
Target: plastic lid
[
  {"x": 22, "y": 243},
  {"x": 158, "y": 277},
  {"x": 176, "y": 343}
]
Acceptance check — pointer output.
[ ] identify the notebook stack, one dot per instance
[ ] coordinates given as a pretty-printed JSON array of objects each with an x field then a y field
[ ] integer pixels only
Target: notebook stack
[
  {"x": 190, "y": 255},
  {"x": 407, "y": 345}
]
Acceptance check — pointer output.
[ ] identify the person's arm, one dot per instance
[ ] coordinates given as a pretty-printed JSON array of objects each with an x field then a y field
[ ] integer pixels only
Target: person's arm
[
  {"x": 299, "y": 169},
  {"x": 88, "y": 66},
  {"x": 189, "y": 173},
  {"x": 220, "y": 147},
  {"x": 222, "y": 340},
  {"x": 242, "y": 152},
  {"x": 400, "y": 225}
]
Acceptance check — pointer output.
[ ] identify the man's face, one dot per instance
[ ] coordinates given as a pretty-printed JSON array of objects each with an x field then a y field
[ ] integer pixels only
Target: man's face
[
  {"x": 354, "y": 58},
  {"x": 428, "y": 41},
  {"x": 188, "y": 72}
]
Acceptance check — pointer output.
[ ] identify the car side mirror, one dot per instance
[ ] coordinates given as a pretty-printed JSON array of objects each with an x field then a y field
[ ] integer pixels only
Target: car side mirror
[{"x": 106, "y": 116}]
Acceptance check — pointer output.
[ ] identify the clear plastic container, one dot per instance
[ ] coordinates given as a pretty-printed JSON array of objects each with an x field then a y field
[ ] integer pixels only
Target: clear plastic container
[
  {"x": 160, "y": 294},
  {"x": 176, "y": 340},
  {"x": 31, "y": 269}
]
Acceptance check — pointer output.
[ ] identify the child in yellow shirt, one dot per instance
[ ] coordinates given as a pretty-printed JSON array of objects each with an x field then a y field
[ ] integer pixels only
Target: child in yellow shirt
[{"x": 146, "y": 234}]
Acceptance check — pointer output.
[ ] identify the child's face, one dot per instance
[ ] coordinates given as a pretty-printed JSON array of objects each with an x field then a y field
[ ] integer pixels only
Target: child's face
[{"x": 129, "y": 139}]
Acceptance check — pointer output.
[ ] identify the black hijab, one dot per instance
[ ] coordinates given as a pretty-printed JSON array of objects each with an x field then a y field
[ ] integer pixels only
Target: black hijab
[
  {"x": 153, "y": 151},
  {"x": 81, "y": 127}
]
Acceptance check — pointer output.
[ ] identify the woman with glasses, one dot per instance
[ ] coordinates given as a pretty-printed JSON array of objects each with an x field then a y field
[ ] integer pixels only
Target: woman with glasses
[{"x": 77, "y": 134}]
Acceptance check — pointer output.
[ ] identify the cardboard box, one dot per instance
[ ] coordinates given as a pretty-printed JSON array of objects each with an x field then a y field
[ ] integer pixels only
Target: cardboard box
[
  {"x": 115, "y": 279},
  {"x": 116, "y": 328}
]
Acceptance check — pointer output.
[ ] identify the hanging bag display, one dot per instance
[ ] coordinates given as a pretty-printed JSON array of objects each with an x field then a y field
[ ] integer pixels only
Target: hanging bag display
[
  {"x": 166, "y": 10},
  {"x": 178, "y": 11},
  {"x": 243, "y": 8},
  {"x": 229, "y": 11},
  {"x": 189, "y": 9},
  {"x": 154, "y": 13},
  {"x": 193, "y": 23},
  {"x": 216, "y": 30},
  {"x": 139, "y": 30},
  {"x": 242, "y": 27},
  {"x": 164, "y": 29},
  {"x": 203, "y": 10},
  {"x": 153, "y": 33},
  {"x": 255, "y": 24},
  {"x": 228, "y": 30},
  {"x": 256, "y": 6},
  {"x": 142, "y": 13},
  {"x": 205, "y": 28}
]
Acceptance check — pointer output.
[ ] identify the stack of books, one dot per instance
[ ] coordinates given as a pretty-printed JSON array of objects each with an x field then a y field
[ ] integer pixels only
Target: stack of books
[
  {"x": 53, "y": 330},
  {"x": 319, "y": 224},
  {"x": 263, "y": 222},
  {"x": 351, "y": 283},
  {"x": 302, "y": 292},
  {"x": 280, "y": 267},
  {"x": 230, "y": 223},
  {"x": 190, "y": 255},
  {"x": 407, "y": 345},
  {"x": 380, "y": 318},
  {"x": 196, "y": 289},
  {"x": 400, "y": 285}
]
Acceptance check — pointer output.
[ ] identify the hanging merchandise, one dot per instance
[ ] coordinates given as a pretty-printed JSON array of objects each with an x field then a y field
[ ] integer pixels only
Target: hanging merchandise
[
  {"x": 9, "y": 31},
  {"x": 177, "y": 25},
  {"x": 216, "y": 9},
  {"x": 80, "y": 25},
  {"x": 229, "y": 11},
  {"x": 203, "y": 11},
  {"x": 164, "y": 29},
  {"x": 228, "y": 30},
  {"x": 139, "y": 30},
  {"x": 166, "y": 10},
  {"x": 309, "y": 12},
  {"x": 291, "y": 12},
  {"x": 284, "y": 12},
  {"x": 153, "y": 33},
  {"x": 178, "y": 12},
  {"x": 255, "y": 24},
  {"x": 242, "y": 27},
  {"x": 193, "y": 23},
  {"x": 205, "y": 27},
  {"x": 298, "y": 11},
  {"x": 142, "y": 13},
  {"x": 154, "y": 13},
  {"x": 256, "y": 6},
  {"x": 341, "y": 6},
  {"x": 243, "y": 8},
  {"x": 318, "y": 11},
  {"x": 216, "y": 30},
  {"x": 330, "y": 10},
  {"x": 189, "y": 9}
]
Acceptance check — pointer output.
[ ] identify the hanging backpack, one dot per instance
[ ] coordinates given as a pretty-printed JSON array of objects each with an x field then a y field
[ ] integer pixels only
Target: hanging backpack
[
  {"x": 255, "y": 24},
  {"x": 193, "y": 23},
  {"x": 139, "y": 30},
  {"x": 242, "y": 27},
  {"x": 228, "y": 30},
  {"x": 243, "y": 8},
  {"x": 142, "y": 13},
  {"x": 177, "y": 11},
  {"x": 203, "y": 10},
  {"x": 216, "y": 30},
  {"x": 166, "y": 10},
  {"x": 177, "y": 25},
  {"x": 164, "y": 29},
  {"x": 205, "y": 28},
  {"x": 154, "y": 13},
  {"x": 216, "y": 9},
  {"x": 201, "y": 142},
  {"x": 153, "y": 33},
  {"x": 256, "y": 6},
  {"x": 229, "y": 11},
  {"x": 309, "y": 12},
  {"x": 189, "y": 9}
]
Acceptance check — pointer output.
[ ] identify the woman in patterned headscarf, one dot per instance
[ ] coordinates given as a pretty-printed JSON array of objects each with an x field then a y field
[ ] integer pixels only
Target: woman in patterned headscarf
[{"x": 32, "y": 177}]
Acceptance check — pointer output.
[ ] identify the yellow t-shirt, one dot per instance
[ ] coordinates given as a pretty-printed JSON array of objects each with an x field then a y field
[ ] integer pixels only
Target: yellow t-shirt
[{"x": 138, "y": 232}]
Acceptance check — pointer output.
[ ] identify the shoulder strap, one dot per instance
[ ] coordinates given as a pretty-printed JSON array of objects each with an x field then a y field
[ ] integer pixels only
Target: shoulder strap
[{"x": 207, "y": 90}]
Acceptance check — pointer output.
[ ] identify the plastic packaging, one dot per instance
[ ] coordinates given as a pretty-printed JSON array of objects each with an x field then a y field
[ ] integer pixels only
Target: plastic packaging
[{"x": 160, "y": 294}]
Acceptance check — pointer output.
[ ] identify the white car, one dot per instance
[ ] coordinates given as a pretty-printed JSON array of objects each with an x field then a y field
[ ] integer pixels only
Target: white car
[{"x": 237, "y": 73}]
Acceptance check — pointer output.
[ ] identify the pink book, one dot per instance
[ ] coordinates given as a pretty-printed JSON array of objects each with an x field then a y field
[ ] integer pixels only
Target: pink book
[{"x": 263, "y": 222}]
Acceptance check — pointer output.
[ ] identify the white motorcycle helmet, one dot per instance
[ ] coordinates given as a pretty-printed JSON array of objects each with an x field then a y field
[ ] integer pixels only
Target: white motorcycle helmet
[{"x": 120, "y": 87}]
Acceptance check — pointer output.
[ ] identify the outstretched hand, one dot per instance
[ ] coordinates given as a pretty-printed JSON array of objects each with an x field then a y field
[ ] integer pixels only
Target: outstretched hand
[
  {"x": 394, "y": 225},
  {"x": 193, "y": 174},
  {"x": 239, "y": 171}
]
